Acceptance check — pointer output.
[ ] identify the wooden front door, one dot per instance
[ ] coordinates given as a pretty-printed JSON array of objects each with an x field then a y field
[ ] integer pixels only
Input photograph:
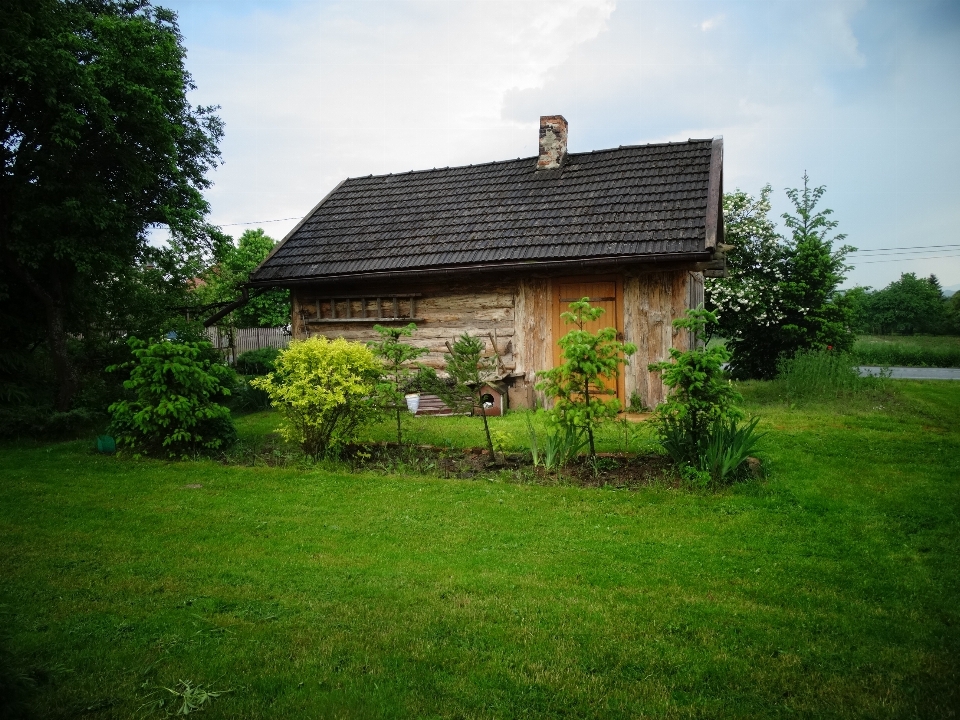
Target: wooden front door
[{"x": 604, "y": 293}]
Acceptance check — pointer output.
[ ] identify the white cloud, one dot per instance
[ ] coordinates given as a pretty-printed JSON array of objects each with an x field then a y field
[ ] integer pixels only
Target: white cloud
[
  {"x": 710, "y": 23},
  {"x": 318, "y": 94},
  {"x": 857, "y": 94}
]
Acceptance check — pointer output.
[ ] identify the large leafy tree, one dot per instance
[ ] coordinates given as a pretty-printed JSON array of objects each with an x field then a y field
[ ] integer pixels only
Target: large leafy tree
[
  {"x": 231, "y": 268},
  {"x": 98, "y": 144},
  {"x": 781, "y": 294},
  {"x": 907, "y": 306}
]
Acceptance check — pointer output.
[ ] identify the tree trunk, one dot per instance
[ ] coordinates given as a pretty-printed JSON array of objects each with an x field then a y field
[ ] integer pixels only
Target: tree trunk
[
  {"x": 586, "y": 394},
  {"x": 57, "y": 341},
  {"x": 56, "y": 333},
  {"x": 486, "y": 428}
]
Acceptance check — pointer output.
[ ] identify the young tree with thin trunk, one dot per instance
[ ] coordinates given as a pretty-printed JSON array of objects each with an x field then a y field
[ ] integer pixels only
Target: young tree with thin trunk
[
  {"x": 398, "y": 371},
  {"x": 580, "y": 385},
  {"x": 469, "y": 370}
]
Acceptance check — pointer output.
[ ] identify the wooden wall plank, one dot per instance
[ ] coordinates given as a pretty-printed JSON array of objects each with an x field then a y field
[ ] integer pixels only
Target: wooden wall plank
[
  {"x": 533, "y": 340},
  {"x": 632, "y": 333}
]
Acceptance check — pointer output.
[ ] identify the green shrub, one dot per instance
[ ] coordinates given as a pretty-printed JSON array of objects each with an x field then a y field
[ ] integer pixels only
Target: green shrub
[
  {"x": 700, "y": 394},
  {"x": 257, "y": 362},
  {"x": 325, "y": 390},
  {"x": 582, "y": 400},
  {"x": 247, "y": 398},
  {"x": 177, "y": 409},
  {"x": 26, "y": 420}
]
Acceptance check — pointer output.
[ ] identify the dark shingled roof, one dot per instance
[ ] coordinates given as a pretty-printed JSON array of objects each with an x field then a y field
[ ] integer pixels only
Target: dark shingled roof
[{"x": 630, "y": 203}]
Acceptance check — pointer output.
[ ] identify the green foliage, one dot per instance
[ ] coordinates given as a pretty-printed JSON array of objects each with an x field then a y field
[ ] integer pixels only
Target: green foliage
[
  {"x": 176, "y": 408},
  {"x": 913, "y": 351},
  {"x": 589, "y": 362},
  {"x": 702, "y": 402},
  {"x": 231, "y": 268},
  {"x": 502, "y": 440},
  {"x": 562, "y": 443},
  {"x": 952, "y": 311},
  {"x": 247, "y": 398},
  {"x": 257, "y": 362},
  {"x": 469, "y": 370},
  {"x": 781, "y": 296},
  {"x": 252, "y": 364},
  {"x": 729, "y": 447},
  {"x": 99, "y": 143},
  {"x": 818, "y": 374},
  {"x": 325, "y": 391},
  {"x": 398, "y": 373},
  {"x": 906, "y": 306},
  {"x": 184, "y": 698},
  {"x": 558, "y": 446}
]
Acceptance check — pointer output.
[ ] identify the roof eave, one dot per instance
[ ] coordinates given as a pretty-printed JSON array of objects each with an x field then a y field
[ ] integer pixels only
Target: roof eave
[
  {"x": 592, "y": 263},
  {"x": 714, "y": 219}
]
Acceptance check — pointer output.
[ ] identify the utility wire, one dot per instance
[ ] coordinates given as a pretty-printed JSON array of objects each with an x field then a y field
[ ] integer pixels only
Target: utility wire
[
  {"x": 915, "y": 252},
  {"x": 925, "y": 257},
  {"x": 914, "y": 247},
  {"x": 259, "y": 222}
]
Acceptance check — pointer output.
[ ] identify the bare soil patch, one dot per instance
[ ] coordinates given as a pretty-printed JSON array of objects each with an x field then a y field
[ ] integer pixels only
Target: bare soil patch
[{"x": 605, "y": 470}]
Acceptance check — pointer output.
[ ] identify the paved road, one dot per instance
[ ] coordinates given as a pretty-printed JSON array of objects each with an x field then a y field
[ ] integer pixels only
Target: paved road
[{"x": 908, "y": 373}]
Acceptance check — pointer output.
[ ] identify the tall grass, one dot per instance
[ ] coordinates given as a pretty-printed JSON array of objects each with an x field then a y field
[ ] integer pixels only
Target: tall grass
[
  {"x": 915, "y": 351},
  {"x": 813, "y": 374}
]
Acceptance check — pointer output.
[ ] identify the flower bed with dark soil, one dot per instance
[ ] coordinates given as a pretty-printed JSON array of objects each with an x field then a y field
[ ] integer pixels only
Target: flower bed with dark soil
[{"x": 605, "y": 470}]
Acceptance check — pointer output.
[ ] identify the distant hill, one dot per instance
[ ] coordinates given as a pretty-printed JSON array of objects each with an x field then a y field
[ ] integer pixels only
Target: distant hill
[{"x": 948, "y": 291}]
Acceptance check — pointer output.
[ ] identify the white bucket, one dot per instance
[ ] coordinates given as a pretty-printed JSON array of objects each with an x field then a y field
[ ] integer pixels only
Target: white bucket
[{"x": 413, "y": 402}]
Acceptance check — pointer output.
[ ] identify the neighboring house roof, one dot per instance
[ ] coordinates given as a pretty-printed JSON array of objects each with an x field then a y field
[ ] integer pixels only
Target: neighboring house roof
[{"x": 637, "y": 203}]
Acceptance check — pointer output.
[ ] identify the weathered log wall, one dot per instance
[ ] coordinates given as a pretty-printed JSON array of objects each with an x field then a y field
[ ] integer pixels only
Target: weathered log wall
[
  {"x": 652, "y": 301},
  {"x": 516, "y": 316},
  {"x": 533, "y": 341},
  {"x": 484, "y": 309}
]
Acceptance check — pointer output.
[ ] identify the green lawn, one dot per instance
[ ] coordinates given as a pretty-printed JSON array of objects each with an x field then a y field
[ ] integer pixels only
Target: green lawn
[
  {"x": 831, "y": 589},
  {"x": 908, "y": 350}
]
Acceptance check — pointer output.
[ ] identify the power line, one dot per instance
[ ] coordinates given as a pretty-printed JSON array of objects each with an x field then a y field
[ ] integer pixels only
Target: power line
[
  {"x": 915, "y": 247},
  {"x": 925, "y": 257},
  {"x": 916, "y": 253},
  {"x": 259, "y": 222}
]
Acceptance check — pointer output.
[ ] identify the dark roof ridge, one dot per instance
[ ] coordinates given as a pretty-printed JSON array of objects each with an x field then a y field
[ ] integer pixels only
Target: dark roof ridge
[
  {"x": 532, "y": 157},
  {"x": 660, "y": 144}
]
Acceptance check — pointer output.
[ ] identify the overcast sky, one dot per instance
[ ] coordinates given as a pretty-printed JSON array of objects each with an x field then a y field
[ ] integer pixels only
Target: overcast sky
[{"x": 864, "y": 96}]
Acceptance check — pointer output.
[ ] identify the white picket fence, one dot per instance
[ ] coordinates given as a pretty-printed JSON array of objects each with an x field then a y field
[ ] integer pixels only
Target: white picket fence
[{"x": 233, "y": 341}]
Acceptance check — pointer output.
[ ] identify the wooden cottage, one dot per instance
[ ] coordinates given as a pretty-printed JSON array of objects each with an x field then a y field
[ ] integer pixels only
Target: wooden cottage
[{"x": 499, "y": 250}]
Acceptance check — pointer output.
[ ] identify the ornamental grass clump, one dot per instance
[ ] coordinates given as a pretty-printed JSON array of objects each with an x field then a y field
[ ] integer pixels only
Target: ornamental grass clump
[
  {"x": 698, "y": 425},
  {"x": 325, "y": 391},
  {"x": 176, "y": 410}
]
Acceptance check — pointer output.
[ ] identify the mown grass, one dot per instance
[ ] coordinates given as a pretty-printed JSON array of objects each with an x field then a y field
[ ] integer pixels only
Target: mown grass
[
  {"x": 828, "y": 590},
  {"x": 908, "y": 351}
]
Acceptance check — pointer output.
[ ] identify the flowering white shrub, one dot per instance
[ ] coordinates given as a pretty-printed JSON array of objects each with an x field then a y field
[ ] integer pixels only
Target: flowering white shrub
[{"x": 781, "y": 294}]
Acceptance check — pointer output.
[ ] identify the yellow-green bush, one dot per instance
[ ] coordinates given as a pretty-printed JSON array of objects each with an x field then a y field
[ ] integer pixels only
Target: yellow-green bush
[{"x": 324, "y": 390}]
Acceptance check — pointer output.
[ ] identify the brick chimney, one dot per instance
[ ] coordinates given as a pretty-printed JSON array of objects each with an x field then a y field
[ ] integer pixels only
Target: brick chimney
[{"x": 553, "y": 141}]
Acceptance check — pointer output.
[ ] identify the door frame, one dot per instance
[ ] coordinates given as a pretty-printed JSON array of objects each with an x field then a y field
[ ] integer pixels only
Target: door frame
[{"x": 559, "y": 328}]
